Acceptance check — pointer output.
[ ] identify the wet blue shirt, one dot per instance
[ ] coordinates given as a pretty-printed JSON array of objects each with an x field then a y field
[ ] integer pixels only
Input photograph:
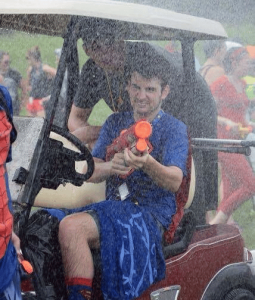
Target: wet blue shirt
[{"x": 170, "y": 147}]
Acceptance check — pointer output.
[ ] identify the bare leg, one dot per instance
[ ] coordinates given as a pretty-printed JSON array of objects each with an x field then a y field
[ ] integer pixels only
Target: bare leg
[{"x": 77, "y": 234}]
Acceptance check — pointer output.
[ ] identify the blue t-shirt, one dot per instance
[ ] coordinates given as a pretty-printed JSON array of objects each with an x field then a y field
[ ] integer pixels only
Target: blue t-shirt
[{"x": 170, "y": 147}]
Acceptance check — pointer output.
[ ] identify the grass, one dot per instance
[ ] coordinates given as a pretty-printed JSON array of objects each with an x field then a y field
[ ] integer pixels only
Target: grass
[
  {"x": 17, "y": 45},
  {"x": 100, "y": 113},
  {"x": 245, "y": 217}
]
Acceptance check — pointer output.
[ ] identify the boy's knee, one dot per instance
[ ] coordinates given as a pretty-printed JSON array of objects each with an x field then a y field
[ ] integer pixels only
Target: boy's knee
[
  {"x": 78, "y": 227},
  {"x": 67, "y": 229}
]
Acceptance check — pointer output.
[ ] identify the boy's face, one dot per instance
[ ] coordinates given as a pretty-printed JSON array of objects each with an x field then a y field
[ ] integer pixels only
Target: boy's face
[{"x": 146, "y": 96}]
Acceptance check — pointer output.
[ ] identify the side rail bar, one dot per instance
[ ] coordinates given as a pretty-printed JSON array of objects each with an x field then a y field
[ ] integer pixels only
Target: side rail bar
[{"x": 223, "y": 145}]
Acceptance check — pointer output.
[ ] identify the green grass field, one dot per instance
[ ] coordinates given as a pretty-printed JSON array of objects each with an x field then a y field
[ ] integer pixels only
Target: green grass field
[
  {"x": 245, "y": 216},
  {"x": 17, "y": 45}
]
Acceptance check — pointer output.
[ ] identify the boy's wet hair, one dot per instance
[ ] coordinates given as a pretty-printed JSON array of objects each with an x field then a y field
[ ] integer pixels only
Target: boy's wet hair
[{"x": 148, "y": 63}]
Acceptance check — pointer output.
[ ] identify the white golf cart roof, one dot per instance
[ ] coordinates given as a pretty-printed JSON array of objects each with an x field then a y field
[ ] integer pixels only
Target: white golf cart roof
[{"x": 51, "y": 17}]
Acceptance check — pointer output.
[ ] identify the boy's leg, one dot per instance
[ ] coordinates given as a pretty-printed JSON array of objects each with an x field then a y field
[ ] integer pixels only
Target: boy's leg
[{"x": 77, "y": 234}]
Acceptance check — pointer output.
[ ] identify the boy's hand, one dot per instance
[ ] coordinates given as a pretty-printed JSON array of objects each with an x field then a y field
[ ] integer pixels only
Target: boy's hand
[
  {"x": 135, "y": 159},
  {"x": 119, "y": 165}
]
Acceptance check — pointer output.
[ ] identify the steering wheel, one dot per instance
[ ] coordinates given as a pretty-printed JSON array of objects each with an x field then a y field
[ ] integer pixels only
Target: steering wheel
[{"x": 76, "y": 156}]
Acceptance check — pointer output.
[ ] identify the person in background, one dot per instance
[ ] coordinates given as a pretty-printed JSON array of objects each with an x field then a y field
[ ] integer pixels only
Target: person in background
[
  {"x": 232, "y": 103},
  {"x": 40, "y": 78},
  {"x": 14, "y": 82},
  {"x": 103, "y": 76},
  {"x": 9, "y": 242},
  {"x": 212, "y": 69}
]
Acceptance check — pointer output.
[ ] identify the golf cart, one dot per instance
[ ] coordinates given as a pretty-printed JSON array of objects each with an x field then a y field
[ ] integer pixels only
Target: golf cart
[{"x": 202, "y": 261}]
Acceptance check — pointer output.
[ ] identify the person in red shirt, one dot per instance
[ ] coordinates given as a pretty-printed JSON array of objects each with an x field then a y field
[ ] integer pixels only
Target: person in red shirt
[{"x": 232, "y": 103}]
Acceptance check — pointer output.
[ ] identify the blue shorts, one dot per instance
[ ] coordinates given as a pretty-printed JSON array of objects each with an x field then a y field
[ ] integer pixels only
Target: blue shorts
[{"x": 13, "y": 291}]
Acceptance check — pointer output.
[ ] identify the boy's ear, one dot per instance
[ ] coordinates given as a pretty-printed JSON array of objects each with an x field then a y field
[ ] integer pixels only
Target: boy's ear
[{"x": 165, "y": 92}]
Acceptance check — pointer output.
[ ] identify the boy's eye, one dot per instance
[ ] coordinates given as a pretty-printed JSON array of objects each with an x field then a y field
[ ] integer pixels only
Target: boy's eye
[{"x": 136, "y": 87}]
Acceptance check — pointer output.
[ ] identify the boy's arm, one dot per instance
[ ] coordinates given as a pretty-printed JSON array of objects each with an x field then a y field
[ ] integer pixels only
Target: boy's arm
[
  {"x": 103, "y": 169},
  {"x": 167, "y": 177}
]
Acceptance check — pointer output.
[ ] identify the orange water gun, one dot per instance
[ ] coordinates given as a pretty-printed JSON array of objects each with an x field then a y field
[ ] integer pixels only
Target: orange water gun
[{"x": 135, "y": 136}]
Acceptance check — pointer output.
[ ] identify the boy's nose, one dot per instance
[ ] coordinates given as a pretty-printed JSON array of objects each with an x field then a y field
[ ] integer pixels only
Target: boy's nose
[{"x": 141, "y": 94}]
